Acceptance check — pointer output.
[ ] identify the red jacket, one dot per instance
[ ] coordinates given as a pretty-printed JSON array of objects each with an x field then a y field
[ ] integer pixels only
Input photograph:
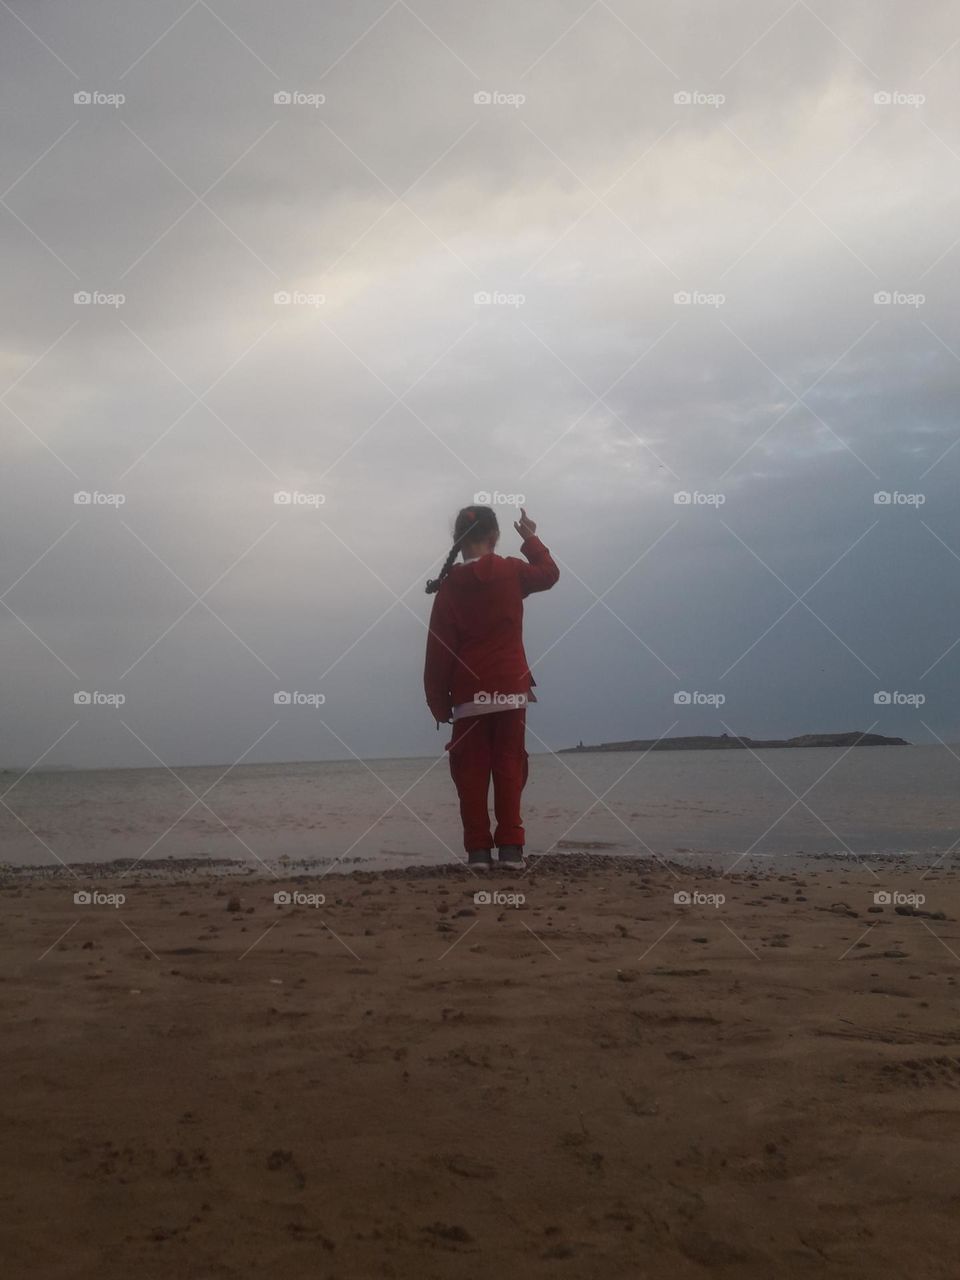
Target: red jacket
[{"x": 475, "y": 643}]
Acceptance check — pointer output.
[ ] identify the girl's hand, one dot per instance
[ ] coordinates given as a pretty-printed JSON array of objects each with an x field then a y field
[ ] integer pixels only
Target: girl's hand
[{"x": 525, "y": 526}]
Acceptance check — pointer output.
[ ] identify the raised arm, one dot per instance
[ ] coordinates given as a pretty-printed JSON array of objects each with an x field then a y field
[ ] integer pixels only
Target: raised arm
[{"x": 541, "y": 572}]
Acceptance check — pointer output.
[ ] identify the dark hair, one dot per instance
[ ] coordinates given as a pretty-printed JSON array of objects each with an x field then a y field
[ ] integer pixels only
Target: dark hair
[{"x": 472, "y": 524}]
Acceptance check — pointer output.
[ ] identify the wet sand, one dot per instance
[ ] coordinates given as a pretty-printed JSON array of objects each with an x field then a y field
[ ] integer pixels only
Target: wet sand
[{"x": 405, "y": 1082}]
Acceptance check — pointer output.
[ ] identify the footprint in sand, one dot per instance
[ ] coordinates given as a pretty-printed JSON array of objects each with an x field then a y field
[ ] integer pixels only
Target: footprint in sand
[{"x": 923, "y": 1073}]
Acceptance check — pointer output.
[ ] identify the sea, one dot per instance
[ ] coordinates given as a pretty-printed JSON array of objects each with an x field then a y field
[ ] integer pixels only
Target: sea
[{"x": 703, "y": 806}]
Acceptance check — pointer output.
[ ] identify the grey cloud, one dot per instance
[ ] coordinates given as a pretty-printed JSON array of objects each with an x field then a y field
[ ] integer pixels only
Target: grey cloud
[{"x": 492, "y": 397}]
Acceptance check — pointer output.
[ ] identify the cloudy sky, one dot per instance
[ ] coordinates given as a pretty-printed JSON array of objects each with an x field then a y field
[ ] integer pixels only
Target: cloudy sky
[{"x": 682, "y": 216}]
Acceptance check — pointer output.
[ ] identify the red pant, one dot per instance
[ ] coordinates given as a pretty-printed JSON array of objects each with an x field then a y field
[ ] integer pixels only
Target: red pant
[{"x": 482, "y": 746}]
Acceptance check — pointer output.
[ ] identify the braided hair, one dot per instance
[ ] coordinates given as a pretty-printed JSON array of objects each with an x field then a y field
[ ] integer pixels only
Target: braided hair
[{"x": 472, "y": 524}]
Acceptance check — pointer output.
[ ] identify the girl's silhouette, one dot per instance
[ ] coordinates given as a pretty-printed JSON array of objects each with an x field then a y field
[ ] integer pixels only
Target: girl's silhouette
[{"x": 476, "y": 674}]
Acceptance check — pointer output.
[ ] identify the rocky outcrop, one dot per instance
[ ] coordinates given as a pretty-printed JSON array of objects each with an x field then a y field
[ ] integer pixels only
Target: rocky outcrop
[{"x": 727, "y": 742}]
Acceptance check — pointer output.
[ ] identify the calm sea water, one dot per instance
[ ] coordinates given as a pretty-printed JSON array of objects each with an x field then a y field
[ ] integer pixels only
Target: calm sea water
[{"x": 401, "y": 812}]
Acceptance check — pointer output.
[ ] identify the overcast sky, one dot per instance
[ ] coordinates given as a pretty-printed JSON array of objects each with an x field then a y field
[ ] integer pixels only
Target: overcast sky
[{"x": 583, "y": 196}]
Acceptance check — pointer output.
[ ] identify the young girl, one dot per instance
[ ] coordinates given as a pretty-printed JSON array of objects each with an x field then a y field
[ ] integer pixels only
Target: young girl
[{"x": 476, "y": 675}]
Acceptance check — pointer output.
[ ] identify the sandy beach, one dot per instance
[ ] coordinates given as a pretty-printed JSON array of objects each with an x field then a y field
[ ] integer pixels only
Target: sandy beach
[{"x": 407, "y": 1082}]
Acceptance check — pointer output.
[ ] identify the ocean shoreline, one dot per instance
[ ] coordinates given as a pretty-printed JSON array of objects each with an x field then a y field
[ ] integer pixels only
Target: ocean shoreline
[{"x": 587, "y": 858}]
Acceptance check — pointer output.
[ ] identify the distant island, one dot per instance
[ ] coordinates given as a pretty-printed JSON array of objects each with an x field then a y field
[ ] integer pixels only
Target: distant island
[{"x": 727, "y": 742}]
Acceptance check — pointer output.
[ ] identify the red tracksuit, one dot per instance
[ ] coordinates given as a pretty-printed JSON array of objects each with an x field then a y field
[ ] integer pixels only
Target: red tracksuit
[{"x": 475, "y": 646}]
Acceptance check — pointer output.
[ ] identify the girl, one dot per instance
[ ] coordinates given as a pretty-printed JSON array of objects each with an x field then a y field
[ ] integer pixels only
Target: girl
[{"x": 476, "y": 675}]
